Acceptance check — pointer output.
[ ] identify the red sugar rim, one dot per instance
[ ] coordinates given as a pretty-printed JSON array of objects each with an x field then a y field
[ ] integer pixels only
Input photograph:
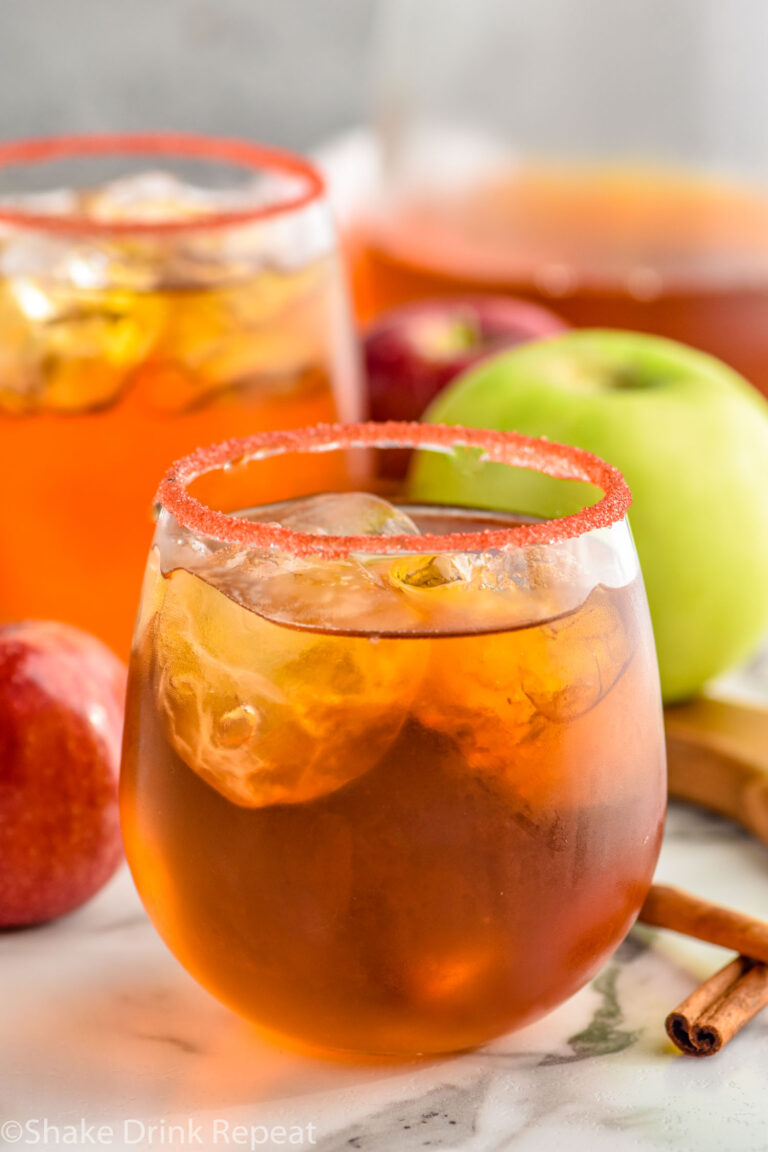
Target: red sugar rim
[
  {"x": 240, "y": 153},
  {"x": 557, "y": 460}
]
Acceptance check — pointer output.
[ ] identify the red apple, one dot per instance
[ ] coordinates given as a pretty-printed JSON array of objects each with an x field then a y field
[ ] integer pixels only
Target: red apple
[
  {"x": 62, "y": 698},
  {"x": 413, "y": 352}
]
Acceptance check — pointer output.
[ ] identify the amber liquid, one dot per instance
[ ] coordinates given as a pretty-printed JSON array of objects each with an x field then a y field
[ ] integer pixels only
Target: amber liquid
[
  {"x": 101, "y": 390},
  {"x": 678, "y": 256},
  {"x": 422, "y": 841}
]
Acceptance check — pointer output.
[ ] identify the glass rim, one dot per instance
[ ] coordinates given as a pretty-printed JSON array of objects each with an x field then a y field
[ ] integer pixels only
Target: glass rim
[
  {"x": 182, "y": 145},
  {"x": 512, "y": 448}
]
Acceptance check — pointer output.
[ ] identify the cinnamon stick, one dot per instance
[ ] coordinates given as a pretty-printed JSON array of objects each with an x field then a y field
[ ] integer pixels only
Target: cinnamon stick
[
  {"x": 719, "y": 1008},
  {"x": 680, "y": 911},
  {"x": 722, "y": 1005}
]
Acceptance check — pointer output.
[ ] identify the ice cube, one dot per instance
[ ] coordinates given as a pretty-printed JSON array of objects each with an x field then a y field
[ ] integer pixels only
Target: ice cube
[
  {"x": 149, "y": 197},
  {"x": 469, "y": 591},
  {"x": 155, "y": 196},
  {"x": 426, "y": 571},
  {"x": 288, "y": 242},
  {"x": 512, "y": 701},
  {"x": 268, "y": 714},
  {"x": 267, "y": 333},
  {"x": 51, "y": 202},
  {"x": 20, "y": 369},
  {"x": 342, "y": 514},
  {"x": 64, "y": 350},
  {"x": 349, "y": 594},
  {"x": 580, "y": 658}
]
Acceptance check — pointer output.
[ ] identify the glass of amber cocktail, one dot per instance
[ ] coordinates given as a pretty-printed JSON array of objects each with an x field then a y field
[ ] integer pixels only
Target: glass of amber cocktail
[
  {"x": 156, "y": 292},
  {"x": 393, "y": 776}
]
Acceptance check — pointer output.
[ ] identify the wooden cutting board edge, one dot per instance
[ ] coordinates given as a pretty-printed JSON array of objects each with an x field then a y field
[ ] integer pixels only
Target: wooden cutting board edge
[{"x": 717, "y": 754}]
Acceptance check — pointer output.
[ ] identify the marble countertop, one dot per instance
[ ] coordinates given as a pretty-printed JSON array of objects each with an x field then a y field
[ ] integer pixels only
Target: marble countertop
[{"x": 103, "y": 1035}]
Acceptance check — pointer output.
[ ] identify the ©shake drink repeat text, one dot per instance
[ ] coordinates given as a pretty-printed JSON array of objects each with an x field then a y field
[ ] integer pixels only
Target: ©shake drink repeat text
[{"x": 189, "y": 1133}]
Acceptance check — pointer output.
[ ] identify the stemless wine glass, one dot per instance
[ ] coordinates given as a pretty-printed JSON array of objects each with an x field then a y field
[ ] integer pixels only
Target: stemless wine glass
[
  {"x": 156, "y": 292},
  {"x": 393, "y": 774},
  {"x": 609, "y": 160}
]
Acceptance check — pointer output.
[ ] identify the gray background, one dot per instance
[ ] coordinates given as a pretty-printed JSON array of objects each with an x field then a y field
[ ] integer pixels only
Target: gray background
[
  {"x": 284, "y": 71},
  {"x": 675, "y": 79}
]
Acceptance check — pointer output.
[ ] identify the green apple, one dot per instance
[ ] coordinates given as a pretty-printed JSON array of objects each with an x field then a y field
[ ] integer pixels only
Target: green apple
[{"x": 690, "y": 436}]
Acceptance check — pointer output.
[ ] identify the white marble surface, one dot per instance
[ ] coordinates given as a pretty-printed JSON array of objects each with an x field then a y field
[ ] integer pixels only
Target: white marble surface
[{"x": 99, "y": 1026}]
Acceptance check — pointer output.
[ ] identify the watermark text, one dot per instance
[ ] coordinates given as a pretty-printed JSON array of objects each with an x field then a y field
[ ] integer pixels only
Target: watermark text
[{"x": 216, "y": 1132}]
